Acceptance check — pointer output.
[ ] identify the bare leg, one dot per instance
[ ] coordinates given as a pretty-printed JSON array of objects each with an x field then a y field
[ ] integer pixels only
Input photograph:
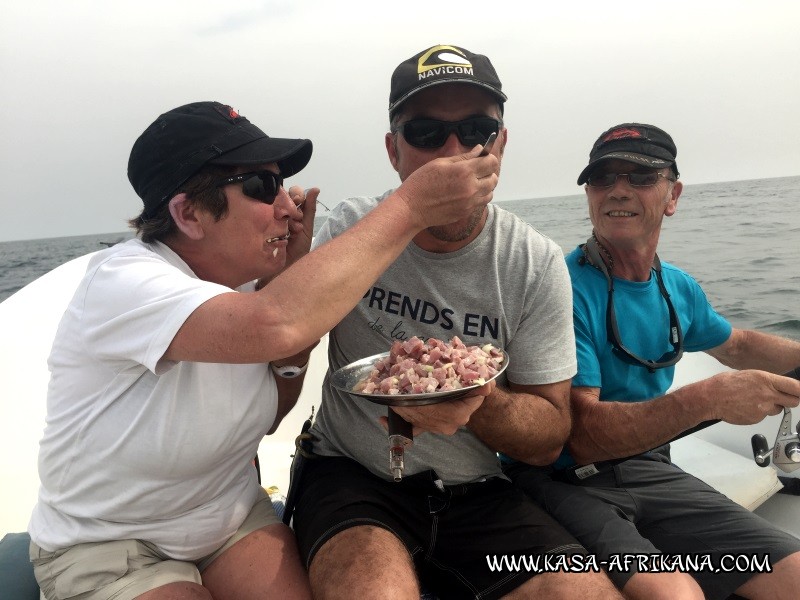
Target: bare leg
[
  {"x": 662, "y": 586},
  {"x": 263, "y": 564},
  {"x": 363, "y": 562},
  {"x": 563, "y": 586},
  {"x": 781, "y": 584}
]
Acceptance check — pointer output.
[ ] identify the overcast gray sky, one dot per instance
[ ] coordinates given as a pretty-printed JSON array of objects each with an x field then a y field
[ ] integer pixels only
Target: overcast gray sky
[{"x": 81, "y": 79}]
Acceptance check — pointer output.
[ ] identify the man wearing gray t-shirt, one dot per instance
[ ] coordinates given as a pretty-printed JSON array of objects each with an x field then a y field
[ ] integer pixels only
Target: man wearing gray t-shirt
[{"x": 486, "y": 278}]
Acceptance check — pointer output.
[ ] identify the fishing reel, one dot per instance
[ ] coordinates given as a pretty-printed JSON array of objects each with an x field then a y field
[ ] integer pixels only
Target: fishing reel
[
  {"x": 786, "y": 451},
  {"x": 785, "y": 454}
]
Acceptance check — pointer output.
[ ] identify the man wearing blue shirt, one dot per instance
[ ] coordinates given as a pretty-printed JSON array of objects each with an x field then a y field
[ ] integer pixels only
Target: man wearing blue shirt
[{"x": 634, "y": 317}]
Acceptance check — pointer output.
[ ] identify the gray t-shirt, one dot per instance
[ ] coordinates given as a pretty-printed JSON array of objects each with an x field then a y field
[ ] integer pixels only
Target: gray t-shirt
[{"x": 508, "y": 287}]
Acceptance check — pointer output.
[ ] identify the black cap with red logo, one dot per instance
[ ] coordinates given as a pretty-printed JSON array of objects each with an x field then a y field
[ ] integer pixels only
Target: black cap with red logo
[
  {"x": 181, "y": 141},
  {"x": 634, "y": 142}
]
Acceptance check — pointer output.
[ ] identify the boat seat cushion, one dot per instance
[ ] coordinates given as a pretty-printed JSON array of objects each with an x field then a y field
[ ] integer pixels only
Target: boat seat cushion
[{"x": 16, "y": 572}]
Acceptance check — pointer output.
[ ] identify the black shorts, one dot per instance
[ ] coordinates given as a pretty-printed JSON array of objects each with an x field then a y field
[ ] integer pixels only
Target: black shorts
[
  {"x": 647, "y": 506},
  {"x": 449, "y": 531}
]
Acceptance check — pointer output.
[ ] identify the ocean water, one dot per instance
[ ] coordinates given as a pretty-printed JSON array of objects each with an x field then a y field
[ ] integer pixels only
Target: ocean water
[{"x": 740, "y": 240}]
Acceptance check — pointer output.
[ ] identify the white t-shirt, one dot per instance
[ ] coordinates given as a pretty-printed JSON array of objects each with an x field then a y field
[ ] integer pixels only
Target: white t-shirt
[{"x": 136, "y": 447}]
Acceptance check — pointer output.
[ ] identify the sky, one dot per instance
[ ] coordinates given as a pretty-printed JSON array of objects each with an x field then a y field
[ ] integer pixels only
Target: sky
[{"x": 82, "y": 79}]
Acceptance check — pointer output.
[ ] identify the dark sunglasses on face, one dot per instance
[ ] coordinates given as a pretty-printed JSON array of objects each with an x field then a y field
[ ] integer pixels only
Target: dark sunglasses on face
[
  {"x": 644, "y": 179},
  {"x": 259, "y": 185},
  {"x": 432, "y": 133}
]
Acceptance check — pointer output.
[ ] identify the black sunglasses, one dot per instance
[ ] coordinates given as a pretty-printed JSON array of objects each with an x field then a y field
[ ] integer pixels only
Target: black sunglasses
[
  {"x": 259, "y": 185},
  {"x": 432, "y": 133},
  {"x": 592, "y": 255},
  {"x": 644, "y": 179}
]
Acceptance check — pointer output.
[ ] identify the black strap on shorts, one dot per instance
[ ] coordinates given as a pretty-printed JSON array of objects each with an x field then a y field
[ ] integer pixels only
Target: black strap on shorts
[
  {"x": 303, "y": 452},
  {"x": 578, "y": 473}
]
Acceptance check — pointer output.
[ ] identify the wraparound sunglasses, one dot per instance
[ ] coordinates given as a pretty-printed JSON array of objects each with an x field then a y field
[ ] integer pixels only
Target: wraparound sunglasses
[
  {"x": 433, "y": 133},
  {"x": 259, "y": 185}
]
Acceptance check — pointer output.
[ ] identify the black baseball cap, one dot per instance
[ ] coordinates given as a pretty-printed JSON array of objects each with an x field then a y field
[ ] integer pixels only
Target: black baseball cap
[
  {"x": 635, "y": 142},
  {"x": 181, "y": 141},
  {"x": 442, "y": 64}
]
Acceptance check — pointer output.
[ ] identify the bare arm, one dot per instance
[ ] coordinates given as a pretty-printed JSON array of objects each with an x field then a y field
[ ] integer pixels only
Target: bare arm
[
  {"x": 288, "y": 392},
  {"x": 305, "y": 301},
  {"x": 527, "y": 422},
  {"x": 747, "y": 349},
  {"x": 609, "y": 429}
]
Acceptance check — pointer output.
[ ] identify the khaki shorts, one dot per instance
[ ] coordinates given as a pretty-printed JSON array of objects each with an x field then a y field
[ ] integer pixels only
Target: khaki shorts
[{"x": 124, "y": 569}]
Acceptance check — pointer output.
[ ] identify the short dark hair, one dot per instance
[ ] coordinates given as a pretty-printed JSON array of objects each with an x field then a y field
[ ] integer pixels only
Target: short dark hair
[{"x": 200, "y": 189}]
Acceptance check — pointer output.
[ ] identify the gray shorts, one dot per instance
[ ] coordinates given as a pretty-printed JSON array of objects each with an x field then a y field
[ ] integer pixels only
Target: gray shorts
[
  {"x": 124, "y": 569},
  {"x": 647, "y": 506}
]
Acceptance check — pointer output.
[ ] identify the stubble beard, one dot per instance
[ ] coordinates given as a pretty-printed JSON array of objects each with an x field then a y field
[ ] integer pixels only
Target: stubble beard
[{"x": 456, "y": 232}]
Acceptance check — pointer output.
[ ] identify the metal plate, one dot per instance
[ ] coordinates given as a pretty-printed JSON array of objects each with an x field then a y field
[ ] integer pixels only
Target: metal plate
[{"x": 347, "y": 377}]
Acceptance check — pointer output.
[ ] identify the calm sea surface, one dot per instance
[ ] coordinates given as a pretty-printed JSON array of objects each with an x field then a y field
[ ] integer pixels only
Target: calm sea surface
[{"x": 740, "y": 240}]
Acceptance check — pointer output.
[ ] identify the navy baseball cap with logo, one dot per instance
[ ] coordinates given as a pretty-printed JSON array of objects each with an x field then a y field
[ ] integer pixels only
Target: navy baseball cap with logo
[
  {"x": 442, "y": 64},
  {"x": 183, "y": 140},
  {"x": 638, "y": 143}
]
